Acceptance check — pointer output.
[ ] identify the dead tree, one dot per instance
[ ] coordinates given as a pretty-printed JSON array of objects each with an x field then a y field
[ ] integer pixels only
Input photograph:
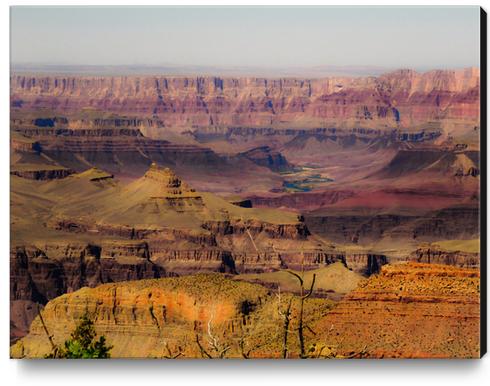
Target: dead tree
[
  {"x": 204, "y": 353},
  {"x": 303, "y": 296},
  {"x": 246, "y": 345},
  {"x": 54, "y": 347},
  {"x": 172, "y": 354},
  {"x": 216, "y": 348},
  {"x": 286, "y": 317}
]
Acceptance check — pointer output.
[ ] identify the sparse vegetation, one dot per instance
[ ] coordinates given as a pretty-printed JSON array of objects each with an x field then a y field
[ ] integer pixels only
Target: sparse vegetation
[{"x": 82, "y": 344}]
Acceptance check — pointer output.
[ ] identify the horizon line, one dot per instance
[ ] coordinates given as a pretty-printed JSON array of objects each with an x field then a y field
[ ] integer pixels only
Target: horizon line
[{"x": 315, "y": 71}]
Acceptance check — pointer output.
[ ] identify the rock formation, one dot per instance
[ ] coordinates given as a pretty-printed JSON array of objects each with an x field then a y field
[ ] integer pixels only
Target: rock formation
[
  {"x": 455, "y": 222},
  {"x": 139, "y": 317},
  {"x": 93, "y": 229},
  {"x": 265, "y": 156},
  {"x": 433, "y": 254},
  {"x": 409, "y": 311},
  {"x": 38, "y": 173},
  {"x": 402, "y": 97},
  {"x": 38, "y": 275}
]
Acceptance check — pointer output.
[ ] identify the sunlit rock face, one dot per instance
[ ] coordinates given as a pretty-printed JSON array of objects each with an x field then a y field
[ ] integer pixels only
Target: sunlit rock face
[{"x": 399, "y": 99}]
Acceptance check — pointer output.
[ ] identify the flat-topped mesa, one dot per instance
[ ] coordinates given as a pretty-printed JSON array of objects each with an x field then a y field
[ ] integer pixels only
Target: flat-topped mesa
[{"x": 169, "y": 183}]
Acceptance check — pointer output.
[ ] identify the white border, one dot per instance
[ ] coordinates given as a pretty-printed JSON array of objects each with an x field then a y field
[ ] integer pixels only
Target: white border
[{"x": 406, "y": 372}]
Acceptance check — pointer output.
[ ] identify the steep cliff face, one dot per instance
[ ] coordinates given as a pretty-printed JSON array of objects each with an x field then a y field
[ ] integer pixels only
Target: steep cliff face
[
  {"x": 139, "y": 317},
  {"x": 38, "y": 173},
  {"x": 409, "y": 311},
  {"x": 265, "y": 156},
  {"x": 39, "y": 275},
  {"x": 366, "y": 264},
  {"x": 461, "y": 222},
  {"x": 403, "y": 98},
  {"x": 436, "y": 255},
  {"x": 116, "y": 150},
  {"x": 455, "y": 222}
]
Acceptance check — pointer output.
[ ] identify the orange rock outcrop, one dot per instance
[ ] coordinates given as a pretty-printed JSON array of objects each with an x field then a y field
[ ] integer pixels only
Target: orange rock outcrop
[{"x": 409, "y": 310}]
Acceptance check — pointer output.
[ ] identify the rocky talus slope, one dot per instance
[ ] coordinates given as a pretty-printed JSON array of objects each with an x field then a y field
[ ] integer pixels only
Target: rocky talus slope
[{"x": 410, "y": 310}]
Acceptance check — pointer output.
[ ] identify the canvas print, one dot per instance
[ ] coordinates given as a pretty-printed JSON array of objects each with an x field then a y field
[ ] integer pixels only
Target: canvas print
[{"x": 214, "y": 183}]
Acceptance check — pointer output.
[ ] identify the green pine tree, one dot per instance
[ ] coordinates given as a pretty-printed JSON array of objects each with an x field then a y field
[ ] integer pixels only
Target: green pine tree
[{"x": 82, "y": 344}]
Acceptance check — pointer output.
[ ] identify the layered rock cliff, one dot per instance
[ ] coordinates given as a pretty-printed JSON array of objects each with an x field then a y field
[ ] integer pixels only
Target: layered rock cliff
[
  {"x": 409, "y": 311},
  {"x": 401, "y": 98},
  {"x": 144, "y": 315},
  {"x": 265, "y": 156},
  {"x": 200, "y": 316},
  {"x": 116, "y": 150},
  {"x": 455, "y": 222},
  {"x": 38, "y": 275},
  {"x": 126, "y": 152},
  {"x": 433, "y": 254}
]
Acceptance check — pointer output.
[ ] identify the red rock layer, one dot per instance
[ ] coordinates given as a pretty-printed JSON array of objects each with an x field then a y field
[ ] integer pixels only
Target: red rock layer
[{"x": 402, "y": 97}]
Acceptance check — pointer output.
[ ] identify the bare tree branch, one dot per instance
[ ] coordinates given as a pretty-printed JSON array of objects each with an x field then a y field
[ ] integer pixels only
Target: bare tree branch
[
  {"x": 50, "y": 337},
  {"x": 204, "y": 353}
]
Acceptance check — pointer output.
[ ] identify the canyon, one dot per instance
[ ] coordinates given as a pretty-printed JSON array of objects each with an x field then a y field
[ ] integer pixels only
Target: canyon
[
  {"x": 178, "y": 315},
  {"x": 161, "y": 202},
  {"x": 403, "y": 97},
  {"x": 82, "y": 236}
]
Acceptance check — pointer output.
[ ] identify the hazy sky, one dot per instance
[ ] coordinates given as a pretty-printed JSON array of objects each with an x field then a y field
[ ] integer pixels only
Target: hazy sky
[{"x": 268, "y": 37}]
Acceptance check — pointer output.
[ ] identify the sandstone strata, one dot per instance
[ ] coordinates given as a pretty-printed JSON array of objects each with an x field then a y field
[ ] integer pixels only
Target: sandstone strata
[
  {"x": 38, "y": 275},
  {"x": 38, "y": 173},
  {"x": 402, "y": 97},
  {"x": 409, "y": 311},
  {"x": 139, "y": 317},
  {"x": 163, "y": 317},
  {"x": 435, "y": 255}
]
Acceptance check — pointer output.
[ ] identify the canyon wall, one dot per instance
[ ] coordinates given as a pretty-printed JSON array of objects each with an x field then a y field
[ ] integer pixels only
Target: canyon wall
[
  {"x": 399, "y": 99},
  {"x": 456, "y": 222},
  {"x": 409, "y": 311},
  {"x": 39, "y": 275},
  {"x": 139, "y": 317}
]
